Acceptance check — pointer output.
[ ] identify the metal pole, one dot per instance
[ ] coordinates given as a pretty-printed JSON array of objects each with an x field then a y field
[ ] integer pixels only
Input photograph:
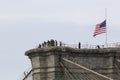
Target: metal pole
[{"x": 106, "y": 26}]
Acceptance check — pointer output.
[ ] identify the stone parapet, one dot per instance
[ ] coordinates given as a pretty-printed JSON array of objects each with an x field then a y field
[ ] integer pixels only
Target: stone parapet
[{"x": 46, "y": 61}]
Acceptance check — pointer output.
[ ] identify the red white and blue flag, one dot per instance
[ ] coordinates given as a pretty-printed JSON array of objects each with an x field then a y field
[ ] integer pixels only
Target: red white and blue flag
[{"x": 100, "y": 28}]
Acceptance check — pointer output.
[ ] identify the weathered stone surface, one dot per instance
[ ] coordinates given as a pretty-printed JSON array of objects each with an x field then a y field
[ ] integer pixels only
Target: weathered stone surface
[{"x": 46, "y": 61}]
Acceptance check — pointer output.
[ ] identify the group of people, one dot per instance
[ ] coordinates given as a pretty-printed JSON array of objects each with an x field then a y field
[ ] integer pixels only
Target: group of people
[{"x": 50, "y": 43}]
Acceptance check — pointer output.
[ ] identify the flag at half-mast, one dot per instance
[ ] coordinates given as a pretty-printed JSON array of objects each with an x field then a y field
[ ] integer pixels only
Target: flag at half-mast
[{"x": 100, "y": 28}]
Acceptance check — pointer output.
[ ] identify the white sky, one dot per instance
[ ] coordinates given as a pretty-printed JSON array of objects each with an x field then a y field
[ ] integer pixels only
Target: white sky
[{"x": 26, "y": 23}]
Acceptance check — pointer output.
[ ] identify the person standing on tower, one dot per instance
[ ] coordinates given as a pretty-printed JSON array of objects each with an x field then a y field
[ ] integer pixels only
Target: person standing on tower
[{"x": 79, "y": 45}]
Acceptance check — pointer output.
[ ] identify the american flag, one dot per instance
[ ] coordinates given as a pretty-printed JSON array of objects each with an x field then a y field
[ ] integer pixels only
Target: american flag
[{"x": 100, "y": 28}]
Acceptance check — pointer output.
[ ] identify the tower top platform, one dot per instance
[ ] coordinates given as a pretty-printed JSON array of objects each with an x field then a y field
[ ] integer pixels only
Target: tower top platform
[{"x": 72, "y": 50}]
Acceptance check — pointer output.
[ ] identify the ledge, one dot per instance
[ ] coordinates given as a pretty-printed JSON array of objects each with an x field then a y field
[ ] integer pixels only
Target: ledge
[{"x": 72, "y": 50}]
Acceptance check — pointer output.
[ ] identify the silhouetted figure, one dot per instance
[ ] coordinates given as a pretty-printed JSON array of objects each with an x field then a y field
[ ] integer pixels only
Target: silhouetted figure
[
  {"x": 48, "y": 43},
  {"x": 52, "y": 42},
  {"x": 56, "y": 44},
  {"x": 60, "y": 43},
  {"x": 98, "y": 46},
  {"x": 39, "y": 46},
  {"x": 79, "y": 45},
  {"x": 45, "y": 44}
]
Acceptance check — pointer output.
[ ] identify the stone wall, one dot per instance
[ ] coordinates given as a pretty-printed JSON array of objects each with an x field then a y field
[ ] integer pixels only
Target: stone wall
[{"x": 46, "y": 61}]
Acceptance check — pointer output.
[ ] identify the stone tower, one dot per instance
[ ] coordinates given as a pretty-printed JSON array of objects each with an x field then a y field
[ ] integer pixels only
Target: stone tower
[{"x": 46, "y": 62}]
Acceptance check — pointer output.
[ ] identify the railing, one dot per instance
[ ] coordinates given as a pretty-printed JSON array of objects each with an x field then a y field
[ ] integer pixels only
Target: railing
[
  {"x": 84, "y": 46},
  {"x": 88, "y": 46},
  {"x": 117, "y": 45},
  {"x": 27, "y": 75}
]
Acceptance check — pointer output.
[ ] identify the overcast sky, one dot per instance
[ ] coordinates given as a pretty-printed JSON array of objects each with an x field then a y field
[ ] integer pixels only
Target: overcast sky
[{"x": 26, "y": 23}]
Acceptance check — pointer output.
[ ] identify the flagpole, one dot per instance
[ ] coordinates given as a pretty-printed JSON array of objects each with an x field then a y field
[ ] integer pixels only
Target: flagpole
[{"x": 106, "y": 26}]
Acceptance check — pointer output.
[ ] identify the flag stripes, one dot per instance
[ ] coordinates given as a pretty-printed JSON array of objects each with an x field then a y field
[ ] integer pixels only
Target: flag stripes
[{"x": 100, "y": 28}]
